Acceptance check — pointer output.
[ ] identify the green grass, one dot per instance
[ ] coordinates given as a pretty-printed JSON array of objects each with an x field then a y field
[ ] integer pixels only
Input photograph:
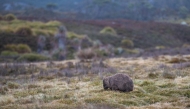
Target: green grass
[{"x": 70, "y": 92}]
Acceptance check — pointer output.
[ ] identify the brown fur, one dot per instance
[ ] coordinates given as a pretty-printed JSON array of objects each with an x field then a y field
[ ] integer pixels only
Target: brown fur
[{"x": 120, "y": 82}]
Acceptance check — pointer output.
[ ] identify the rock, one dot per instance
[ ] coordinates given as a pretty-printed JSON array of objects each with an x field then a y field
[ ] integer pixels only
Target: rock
[{"x": 120, "y": 82}]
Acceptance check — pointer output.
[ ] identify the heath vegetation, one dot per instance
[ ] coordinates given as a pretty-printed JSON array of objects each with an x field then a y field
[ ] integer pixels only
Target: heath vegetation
[
  {"x": 75, "y": 84},
  {"x": 94, "y": 54}
]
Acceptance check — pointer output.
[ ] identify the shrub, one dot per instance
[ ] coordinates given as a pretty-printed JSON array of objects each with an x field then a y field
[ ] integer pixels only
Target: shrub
[
  {"x": 7, "y": 30},
  {"x": 1, "y": 17},
  {"x": 102, "y": 53},
  {"x": 20, "y": 48},
  {"x": 23, "y": 48},
  {"x": 40, "y": 32},
  {"x": 13, "y": 85},
  {"x": 160, "y": 47},
  {"x": 153, "y": 75},
  {"x": 9, "y": 53},
  {"x": 65, "y": 101},
  {"x": 3, "y": 90},
  {"x": 26, "y": 31},
  {"x": 132, "y": 51},
  {"x": 72, "y": 35},
  {"x": 11, "y": 47},
  {"x": 86, "y": 42},
  {"x": 97, "y": 43},
  {"x": 86, "y": 54},
  {"x": 168, "y": 75},
  {"x": 51, "y": 33},
  {"x": 10, "y": 17},
  {"x": 127, "y": 43},
  {"x": 32, "y": 57},
  {"x": 53, "y": 23},
  {"x": 31, "y": 86},
  {"x": 118, "y": 50},
  {"x": 108, "y": 30}
]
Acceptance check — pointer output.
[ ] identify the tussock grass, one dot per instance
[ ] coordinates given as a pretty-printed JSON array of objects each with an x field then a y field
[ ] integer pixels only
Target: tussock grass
[
  {"x": 13, "y": 85},
  {"x": 36, "y": 27},
  {"x": 87, "y": 92}
]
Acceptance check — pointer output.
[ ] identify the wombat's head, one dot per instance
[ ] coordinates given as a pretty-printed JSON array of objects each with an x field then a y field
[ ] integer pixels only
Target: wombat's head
[{"x": 106, "y": 83}]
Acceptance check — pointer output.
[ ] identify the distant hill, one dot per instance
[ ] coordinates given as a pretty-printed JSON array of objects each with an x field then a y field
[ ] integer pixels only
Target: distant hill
[{"x": 146, "y": 10}]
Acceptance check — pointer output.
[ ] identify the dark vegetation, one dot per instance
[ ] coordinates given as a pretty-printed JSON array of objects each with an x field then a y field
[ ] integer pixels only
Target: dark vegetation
[{"x": 152, "y": 37}]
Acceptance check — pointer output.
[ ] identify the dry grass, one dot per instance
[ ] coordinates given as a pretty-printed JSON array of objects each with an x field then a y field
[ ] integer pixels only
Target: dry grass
[{"x": 85, "y": 91}]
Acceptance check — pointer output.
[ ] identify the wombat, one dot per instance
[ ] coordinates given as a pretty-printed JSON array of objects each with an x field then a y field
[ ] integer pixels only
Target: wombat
[{"x": 120, "y": 82}]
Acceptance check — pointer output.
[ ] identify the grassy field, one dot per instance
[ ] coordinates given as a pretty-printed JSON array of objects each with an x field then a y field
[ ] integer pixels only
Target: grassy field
[{"x": 160, "y": 82}]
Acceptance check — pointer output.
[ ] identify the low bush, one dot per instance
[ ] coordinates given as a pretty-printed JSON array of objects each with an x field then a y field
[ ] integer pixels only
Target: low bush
[
  {"x": 9, "y": 53},
  {"x": 86, "y": 54},
  {"x": 7, "y": 30},
  {"x": 72, "y": 35},
  {"x": 13, "y": 85},
  {"x": 32, "y": 57},
  {"x": 3, "y": 90},
  {"x": 118, "y": 50},
  {"x": 132, "y": 51},
  {"x": 102, "y": 53},
  {"x": 40, "y": 32},
  {"x": 23, "y": 48},
  {"x": 11, "y": 47},
  {"x": 153, "y": 75},
  {"x": 24, "y": 31},
  {"x": 127, "y": 43},
  {"x": 1, "y": 17},
  {"x": 53, "y": 23},
  {"x": 10, "y": 17},
  {"x": 160, "y": 47},
  {"x": 108, "y": 30},
  {"x": 97, "y": 43},
  {"x": 66, "y": 101},
  {"x": 20, "y": 48},
  {"x": 51, "y": 33},
  {"x": 86, "y": 42},
  {"x": 169, "y": 75}
]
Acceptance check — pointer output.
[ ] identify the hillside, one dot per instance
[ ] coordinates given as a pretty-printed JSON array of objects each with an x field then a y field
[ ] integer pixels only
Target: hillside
[
  {"x": 153, "y": 38},
  {"x": 144, "y": 34},
  {"x": 144, "y": 10}
]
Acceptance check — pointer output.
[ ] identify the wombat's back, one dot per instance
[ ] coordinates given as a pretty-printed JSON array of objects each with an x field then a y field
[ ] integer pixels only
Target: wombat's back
[{"x": 121, "y": 82}]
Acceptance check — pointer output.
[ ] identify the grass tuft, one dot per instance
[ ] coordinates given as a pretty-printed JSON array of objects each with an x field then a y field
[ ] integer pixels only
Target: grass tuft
[
  {"x": 66, "y": 101},
  {"x": 95, "y": 100},
  {"x": 168, "y": 75},
  {"x": 13, "y": 85}
]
